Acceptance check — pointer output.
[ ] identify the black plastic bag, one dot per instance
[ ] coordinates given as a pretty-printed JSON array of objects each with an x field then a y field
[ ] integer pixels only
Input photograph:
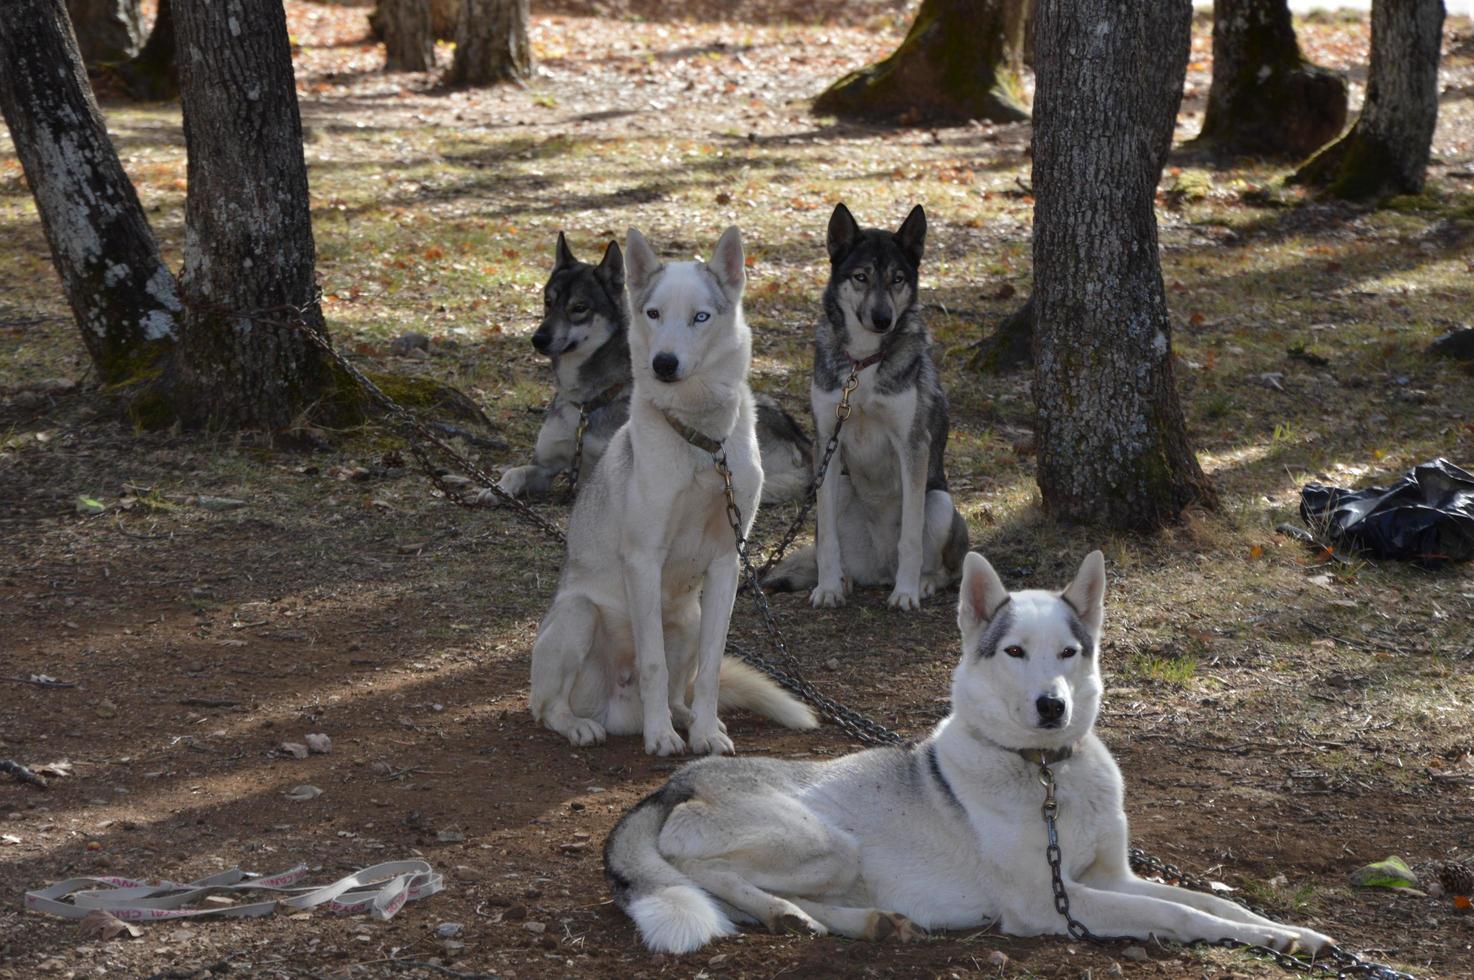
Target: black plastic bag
[{"x": 1427, "y": 516}]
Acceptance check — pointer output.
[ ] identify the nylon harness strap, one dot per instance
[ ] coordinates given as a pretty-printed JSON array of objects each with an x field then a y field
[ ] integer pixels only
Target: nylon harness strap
[{"x": 380, "y": 890}]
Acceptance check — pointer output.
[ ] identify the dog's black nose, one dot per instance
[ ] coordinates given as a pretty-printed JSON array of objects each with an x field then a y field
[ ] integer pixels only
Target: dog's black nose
[
  {"x": 665, "y": 366},
  {"x": 881, "y": 319},
  {"x": 541, "y": 340},
  {"x": 1051, "y": 709}
]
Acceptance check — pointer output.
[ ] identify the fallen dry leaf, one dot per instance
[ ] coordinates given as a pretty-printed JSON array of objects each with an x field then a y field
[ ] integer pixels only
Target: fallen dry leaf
[{"x": 102, "y": 924}]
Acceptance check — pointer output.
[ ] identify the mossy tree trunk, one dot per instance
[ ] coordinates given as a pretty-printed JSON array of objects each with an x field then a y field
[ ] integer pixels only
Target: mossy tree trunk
[
  {"x": 491, "y": 43},
  {"x": 248, "y": 242},
  {"x": 1387, "y": 151},
  {"x": 961, "y": 60},
  {"x": 1111, "y": 438},
  {"x": 153, "y": 74},
  {"x": 108, "y": 31},
  {"x": 123, "y": 297},
  {"x": 1266, "y": 99},
  {"x": 409, "y": 42}
]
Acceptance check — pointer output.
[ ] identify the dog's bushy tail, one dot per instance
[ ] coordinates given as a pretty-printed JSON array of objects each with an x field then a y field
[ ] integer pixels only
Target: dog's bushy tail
[
  {"x": 671, "y": 911},
  {"x": 742, "y": 686},
  {"x": 798, "y": 571}
]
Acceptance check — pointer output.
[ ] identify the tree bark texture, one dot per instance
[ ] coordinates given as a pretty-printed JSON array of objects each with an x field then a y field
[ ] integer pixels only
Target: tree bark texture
[
  {"x": 491, "y": 43},
  {"x": 1387, "y": 151},
  {"x": 154, "y": 73},
  {"x": 1265, "y": 99},
  {"x": 961, "y": 60},
  {"x": 409, "y": 42},
  {"x": 123, "y": 297},
  {"x": 1112, "y": 442},
  {"x": 248, "y": 241},
  {"x": 107, "y": 30}
]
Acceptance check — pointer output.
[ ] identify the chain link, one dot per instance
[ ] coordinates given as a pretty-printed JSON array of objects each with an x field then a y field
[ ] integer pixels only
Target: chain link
[
  {"x": 841, "y": 414},
  {"x": 576, "y": 466},
  {"x": 1339, "y": 962},
  {"x": 790, "y": 676}
]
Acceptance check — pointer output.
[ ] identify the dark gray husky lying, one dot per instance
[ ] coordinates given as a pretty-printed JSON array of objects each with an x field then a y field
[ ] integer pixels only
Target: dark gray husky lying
[{"x": 585, "y": 334}]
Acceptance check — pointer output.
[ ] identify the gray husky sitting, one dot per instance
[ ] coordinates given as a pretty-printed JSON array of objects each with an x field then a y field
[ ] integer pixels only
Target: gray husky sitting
[
  {"x": 585, "y": 334},
  {"x": 884, "y": 513}
]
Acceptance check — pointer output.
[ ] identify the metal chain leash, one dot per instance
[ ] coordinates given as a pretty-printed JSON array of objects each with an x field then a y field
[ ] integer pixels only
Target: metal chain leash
[
  {"x": 841, "y": 415},
  {"x": 1340, "y": 962},
  {"x": 858, "y": 726},
  {"x": 576, "y": 465}
]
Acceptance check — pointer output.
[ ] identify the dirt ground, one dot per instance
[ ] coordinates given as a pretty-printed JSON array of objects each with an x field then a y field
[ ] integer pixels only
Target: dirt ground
[{"x": 1282, "y": 717}]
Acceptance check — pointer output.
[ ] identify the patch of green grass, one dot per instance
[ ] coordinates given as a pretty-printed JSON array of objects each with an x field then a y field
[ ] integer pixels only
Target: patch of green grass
[{"x": 1174, "y": 669}]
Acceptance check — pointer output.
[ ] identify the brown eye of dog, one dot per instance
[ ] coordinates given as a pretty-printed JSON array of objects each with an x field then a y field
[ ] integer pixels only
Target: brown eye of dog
[
  {"x": 1014, "y": 651},
  {"x": 1068, "y": 652},
  {"x": 861, "y": 277},
  {"x": 898, "y": 279},
  {"x": 578, "y": 309}
]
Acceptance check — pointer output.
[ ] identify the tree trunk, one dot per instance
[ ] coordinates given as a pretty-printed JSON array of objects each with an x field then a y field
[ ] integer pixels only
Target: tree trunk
[
  {"x": 1267, "y": 100},
  {"x": 1387, "y": 150},
  {"x": 123, "y": 297},
  {"x": 961, "y": 60},
  {"x": 107, "y": 30},
  {"x": 1112, "y": 443},
  {"x": 491, "y": 43},
  {"x": 153, "y": 74},
  {"x": 409, "y": 43},
  {"x": 1011, "y": 345},
  {"x": 248, "y": 244}
]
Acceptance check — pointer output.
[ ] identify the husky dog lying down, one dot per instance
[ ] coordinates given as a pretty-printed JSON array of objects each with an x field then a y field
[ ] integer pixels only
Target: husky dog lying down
[{"x": 945, "y": 833}]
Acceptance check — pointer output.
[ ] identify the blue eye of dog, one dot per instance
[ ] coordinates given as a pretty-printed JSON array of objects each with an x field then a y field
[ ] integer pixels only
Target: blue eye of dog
[
  {"x": 1068, "y": 652},
  {"x": 702, "y": 317},
  {"x": 1014, "y": 651},
  {"x": 653, "y": 314}
]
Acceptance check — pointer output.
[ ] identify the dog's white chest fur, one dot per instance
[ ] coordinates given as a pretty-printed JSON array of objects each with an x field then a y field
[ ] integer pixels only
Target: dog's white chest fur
[{"x": 878, "y": 426}]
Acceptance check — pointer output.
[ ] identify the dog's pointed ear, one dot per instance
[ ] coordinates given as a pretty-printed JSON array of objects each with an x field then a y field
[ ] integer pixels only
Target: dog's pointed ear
[
  {"x": 563, "y": 255},
  {"x": 642, "y": 263},
  {"x": 610, "y": 269},
  {"x": 1086, "y": 595},
  {"x": 982, "y": 593},
  {"x": 912, "y": 235},
  {"x": 728, "y": 263},
  {"x": 843, "y": 230}
]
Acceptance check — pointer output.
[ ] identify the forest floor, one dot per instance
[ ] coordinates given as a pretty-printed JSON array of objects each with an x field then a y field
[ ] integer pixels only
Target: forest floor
[{"x": 1281, "y": 717}]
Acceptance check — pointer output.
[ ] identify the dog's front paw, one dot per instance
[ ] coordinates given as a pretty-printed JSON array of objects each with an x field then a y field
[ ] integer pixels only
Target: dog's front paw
[
  {"x": 664, "y": 743},
  {"x": 712, "y": 741},
  {"x": 1286, "y": 939},
  {"x": 827, "y": 596},
  {"x": 514, "y": 481},
  {"x": 904, "y": 599},
  {"x": 893, "y": 927},
  {"x": 585, "y": 731},
  {"x": 1312, "y": 941},
  {"x": 488, "y": 498},
  {"x": 797, "y": 923}
]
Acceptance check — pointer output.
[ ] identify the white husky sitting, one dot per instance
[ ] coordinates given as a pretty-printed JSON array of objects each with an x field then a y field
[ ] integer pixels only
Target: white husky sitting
[
  {"x": 943, "y": 834},
  {"x": 633, "y": 641}
]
